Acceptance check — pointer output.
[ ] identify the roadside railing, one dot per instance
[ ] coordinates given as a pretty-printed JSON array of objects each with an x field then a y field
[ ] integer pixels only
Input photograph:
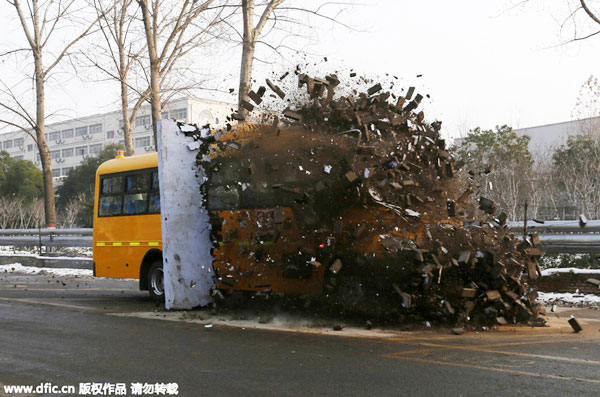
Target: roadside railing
[
  {"x": 568, "y": 237},
  {"x": 77, "y": 237}
]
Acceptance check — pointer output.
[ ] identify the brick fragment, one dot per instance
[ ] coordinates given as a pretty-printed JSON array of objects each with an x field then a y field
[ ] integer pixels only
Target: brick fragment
[
  {"x": 276, "y": 89},
  {"x": 255, "y": 97}
]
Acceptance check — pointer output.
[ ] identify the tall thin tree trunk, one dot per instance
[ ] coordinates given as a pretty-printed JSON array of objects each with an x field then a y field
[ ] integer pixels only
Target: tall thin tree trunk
[
  {"x": 49, "y": 207},
  {"x": 245, "y": 73},
  {"x": 154, "y": 73},
  {"x": 126, "y": 121},
  {"x": 247, "y": 53}
]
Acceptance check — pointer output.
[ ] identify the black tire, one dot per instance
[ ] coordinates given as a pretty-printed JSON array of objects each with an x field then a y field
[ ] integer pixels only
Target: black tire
[{"x": 156, "y": 286}]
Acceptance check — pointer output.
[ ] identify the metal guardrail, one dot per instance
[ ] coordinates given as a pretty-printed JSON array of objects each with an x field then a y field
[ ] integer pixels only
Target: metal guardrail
[
  {"x": 46, "y": 237},
  {"x": 568, "y": 237},
  {"x": 555, "y": 236},
  {"x": 555, "y": 227}
]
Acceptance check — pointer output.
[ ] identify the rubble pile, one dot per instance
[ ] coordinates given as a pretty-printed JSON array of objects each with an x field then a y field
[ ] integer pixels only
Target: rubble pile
[{"x": 401, "y": 216}]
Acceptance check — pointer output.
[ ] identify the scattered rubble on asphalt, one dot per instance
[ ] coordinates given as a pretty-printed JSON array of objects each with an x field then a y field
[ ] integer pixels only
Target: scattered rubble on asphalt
[{"x": 426, "y": 246}]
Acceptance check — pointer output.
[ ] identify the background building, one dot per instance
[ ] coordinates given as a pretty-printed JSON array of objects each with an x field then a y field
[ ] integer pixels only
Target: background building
[
  {"x": 73, "y": 140},
  {"x": 547, "y": 138}
]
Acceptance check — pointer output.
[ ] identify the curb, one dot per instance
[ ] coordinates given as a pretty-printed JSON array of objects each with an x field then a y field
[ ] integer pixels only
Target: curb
[{"x": 48, "y": 261}]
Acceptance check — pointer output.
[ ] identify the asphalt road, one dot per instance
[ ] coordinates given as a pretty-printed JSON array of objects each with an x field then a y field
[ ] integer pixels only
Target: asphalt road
[{"x": 72, "y": 330}]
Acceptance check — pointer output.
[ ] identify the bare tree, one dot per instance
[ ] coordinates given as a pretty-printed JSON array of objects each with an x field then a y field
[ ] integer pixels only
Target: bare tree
[
  {"x": 69, "y": 214},
  {"x": 118, "y": 56},
  {"x": 253, "y": 34},
  {"x": 172, "y": 30},
  {"x": 588, "y": 100},
  {"x": 592, "y": 15},
  {"x": 40, "y": 21}
]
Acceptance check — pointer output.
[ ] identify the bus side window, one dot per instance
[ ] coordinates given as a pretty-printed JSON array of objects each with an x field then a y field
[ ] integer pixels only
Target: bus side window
[
  {"x": 112, "y": 185},
  {"x": 154, "y": 185},
  {"x": 135, "y": 203},
  {"x": 154, "y": 195},
  {"x": 136, "y": 198},
  {"x": 111, "y": 201},
  {"x": 154, "y": 203},
  {"x": 110, "y": 205}
]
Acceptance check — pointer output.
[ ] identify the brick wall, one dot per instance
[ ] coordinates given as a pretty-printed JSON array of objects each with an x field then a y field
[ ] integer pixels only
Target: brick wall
[{"x": 569, "y": 282}]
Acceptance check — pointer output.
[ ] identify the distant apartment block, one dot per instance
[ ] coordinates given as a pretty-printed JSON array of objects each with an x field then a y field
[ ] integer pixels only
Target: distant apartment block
[{"x": 71, "y": 141}]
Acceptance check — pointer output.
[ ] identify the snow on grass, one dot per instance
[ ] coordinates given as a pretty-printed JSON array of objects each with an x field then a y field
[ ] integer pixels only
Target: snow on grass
[
  {"x": 18, "y": 268},
  {"x": 72, "y": 252},
  {"x": 556, "y": 297},
  {"x": 574, "y": 270}
]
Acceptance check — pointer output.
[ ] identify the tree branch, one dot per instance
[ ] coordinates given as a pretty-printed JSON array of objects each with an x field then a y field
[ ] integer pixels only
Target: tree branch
[{"x": 589, "y": 12}]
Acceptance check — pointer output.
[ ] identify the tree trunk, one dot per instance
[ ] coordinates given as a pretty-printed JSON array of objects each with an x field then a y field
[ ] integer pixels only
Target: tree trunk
[
  {"x": 154, "y": 73},
  {"x": 155, "y": 95},
  {"x": 245, "y": 72},
  {"x": 126, "y": 121},
  {"x": 49, "y": 208},
  {"x": 247, "y": 53}
]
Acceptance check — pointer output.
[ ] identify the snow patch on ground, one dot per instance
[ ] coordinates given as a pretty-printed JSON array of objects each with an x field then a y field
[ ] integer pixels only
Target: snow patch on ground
[
  {"x": 71, "y": 252},
  {"x": 13, "y": 252},
  {"x": 569, "y": 298},
  {"x": 18, "y": 268},
  {"x": 573, "y": 270}
]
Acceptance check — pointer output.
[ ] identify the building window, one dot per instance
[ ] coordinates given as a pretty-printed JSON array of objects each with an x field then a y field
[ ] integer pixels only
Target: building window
[
  {"x": 54, "y": 154},
  {"x": 81, "y": 131},
  {"x": 144, "y": 120},
  {"x": 66, "y": 134},
  {"x": 55, "y": 172},
  {"x": 142, "y": 142},
  {"x": 30, "y": 148},
  {"x": 19, "y": 157},
  {"x": 19, "y": 142},
  {"x": 95, "y": 149},
  {"x": 96, "y": 129},
  {"x": 81, "y": 151},
  {"x": 179, "y": 114},
  {"x": 164, "y": 114},
  {"x": 66, "y": 170},
  {"x": 110, "y": 135},
  {"x": 37, "y": 156},
  {"x": 67, "y": 152},
  {"x": 7, "y": 144},
  {"x": 54, "y": 136}
]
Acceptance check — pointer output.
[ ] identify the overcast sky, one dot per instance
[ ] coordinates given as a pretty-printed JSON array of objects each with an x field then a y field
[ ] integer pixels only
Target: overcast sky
[{"x": 482, "y": 63}]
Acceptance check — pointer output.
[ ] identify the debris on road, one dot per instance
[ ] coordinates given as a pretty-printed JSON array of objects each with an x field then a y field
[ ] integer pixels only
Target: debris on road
[{"x": 575, "y": 325}]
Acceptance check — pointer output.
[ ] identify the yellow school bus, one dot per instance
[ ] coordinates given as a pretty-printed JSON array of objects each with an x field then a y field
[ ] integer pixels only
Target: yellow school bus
[{"x": 127, "y": 232}]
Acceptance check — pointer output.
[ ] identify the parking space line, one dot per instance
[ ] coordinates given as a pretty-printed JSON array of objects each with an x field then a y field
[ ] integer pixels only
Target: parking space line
[
  {"x": 492, "y": 369},
  {"x": 532, "y": 342},
  {"x": 507, "y": 353}
]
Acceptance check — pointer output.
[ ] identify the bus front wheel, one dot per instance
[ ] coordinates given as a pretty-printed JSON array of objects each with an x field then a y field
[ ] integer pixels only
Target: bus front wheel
[{"x": 156, "y": 286}]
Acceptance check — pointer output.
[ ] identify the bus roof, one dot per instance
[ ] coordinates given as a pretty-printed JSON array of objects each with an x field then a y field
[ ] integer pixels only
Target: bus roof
[{"x": 129, "y": 163}]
